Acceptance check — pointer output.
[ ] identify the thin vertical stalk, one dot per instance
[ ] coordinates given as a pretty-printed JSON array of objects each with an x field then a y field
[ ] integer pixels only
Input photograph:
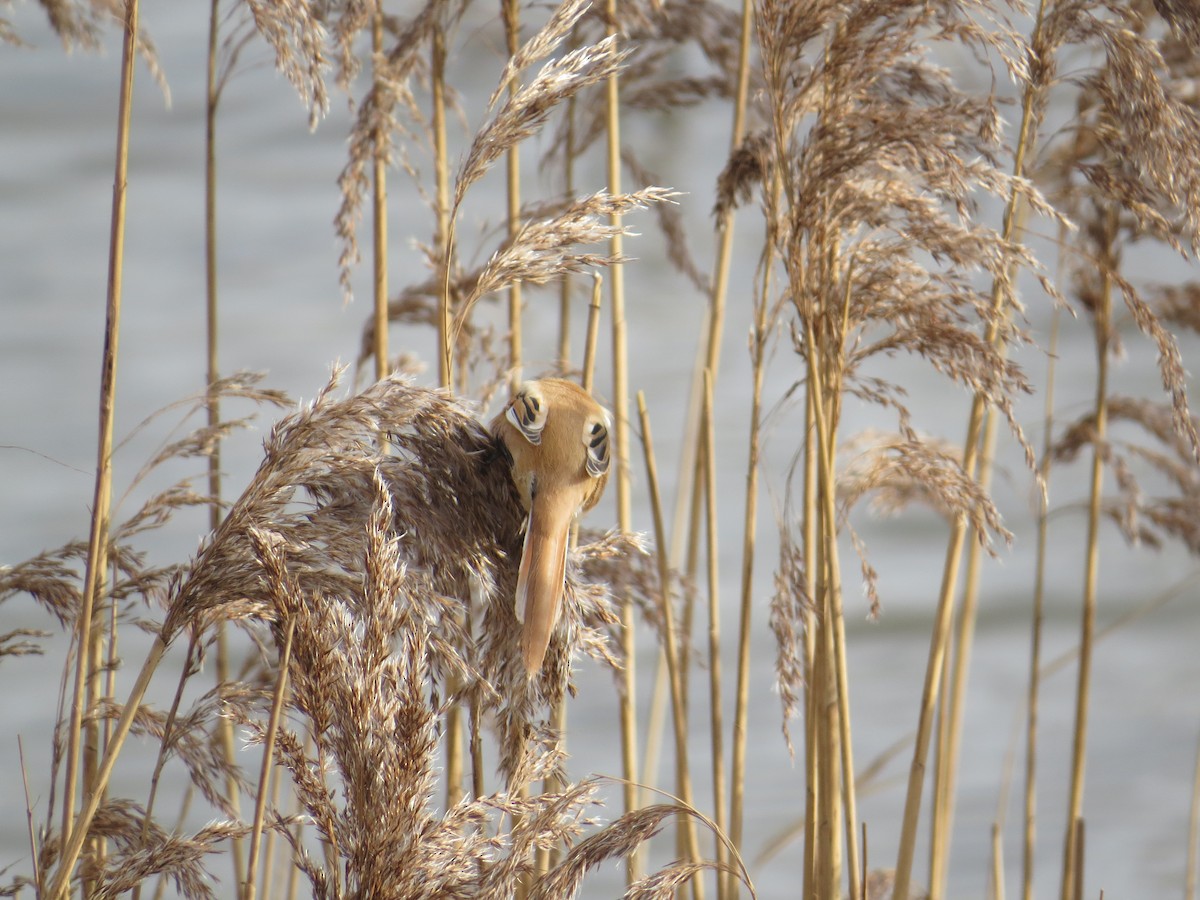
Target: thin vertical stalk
[
  {"x": 826, "y": 439},
  {"x": 683, "y": 773},
  {"x": 997, "y": 863},
  {"x": 1035, "y": 652},
  {"x": 33, "y": 844},
  {"x": 455, "y": 771},
  {"x": 709, "y": 350},
  {"x": 379, "y": 214},
  {"x": 933, "y": 671},
  {"x": 812, "y": 754},
  {"x": 511, "y": 11},
  {"x": 443, "y": 239},
  {"x": 264, "y": 776},
  {"x": 620, "y": 401},
  {"x": 912, "y": 805},
  {"x": 163, "y": 745},
  {"x": 102, "y": 497},
  {"x": 564, "y": 296},
  {"x": 1078, "y": 842},
  {"x": 269, "y": 850},
  {"x": 593, "y": 333},
  {"x": 1072, "y": 855},
  {"x": 73, "y": 843},
  {"x": 185, "y": 807},
  {"x": 716, "y": 715},
  {"x": 737, "y": 773},
  {"x": 212, "y": 100},
  {"x": 1193, "y": 835},
  {"x": 950, "y": 738},
  {"x": 708, "y": 355},
  {"x": 91, "y": 729}
]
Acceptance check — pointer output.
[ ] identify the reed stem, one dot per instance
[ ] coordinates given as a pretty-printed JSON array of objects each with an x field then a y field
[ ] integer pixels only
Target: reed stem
[
  {"x": 741, "y": 712},
  {"x": 213, "y": 407},
  {"x": 510, "y": 13},
  {"x": 379, "y": 213},
  {"x": 102, "y": 497},
  {"x": 716, "y": 715},
  {"x": 444, "y": 239},
  {"x": 73, "y": 844},
  {"x": 834, "y": 622},
  {"x": 264, "y": 777},
  {"x": 620, "y": 400},
  {"x": 683, "y": 773},
  {"x": 1026, "y": 138},
  {"x": 1073, "y": 853},
  {"x": 1193, "y": 835},
  {"x": 1035, "y": 652}
]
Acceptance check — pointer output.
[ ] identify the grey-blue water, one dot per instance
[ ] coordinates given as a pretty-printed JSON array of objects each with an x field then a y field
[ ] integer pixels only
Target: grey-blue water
[{"x": 282, "y": 313}]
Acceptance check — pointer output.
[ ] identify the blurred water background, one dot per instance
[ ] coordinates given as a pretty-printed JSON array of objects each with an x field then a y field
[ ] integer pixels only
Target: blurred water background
[{"x": 282, "y": 313}]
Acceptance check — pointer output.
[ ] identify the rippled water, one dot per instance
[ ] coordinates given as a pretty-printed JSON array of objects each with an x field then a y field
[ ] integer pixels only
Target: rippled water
[{"x": 282, "y": 313}]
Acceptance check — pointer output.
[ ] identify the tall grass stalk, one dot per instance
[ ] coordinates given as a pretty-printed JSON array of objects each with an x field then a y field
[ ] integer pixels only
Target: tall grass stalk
[
  {"x": 741, "y": 712},
  {"x": 1072, "y": 884},
  {"x": 954, "y": 700},
  {"x": 567, "y": 283},
  {"x": 379, "y": 231},
  {"x": 1025, "y": 145},
  {"x": 833, "y": 623},
  {"x": 715, "y": 702},
  {"x": 212, "y": 404},
  {"x": 444, "y": 236},
  {"x": 812, "y": 750},
  {"x": 620, "y": 401},
  {"x": 73, "y": 844},
  {"x": 1033, "y": 698},
  {"x": 683, "y": 772},
  {"x": 250, "y": 886},
  {"x": 709, "y": 349},
  {"x": 1032, "y": 99},
  {"x": 510, "y": 12},
  {"x": 1193, "y": 833},
  {"x": 97, "y": 557},
  {"x": 167, "y": 741},
  {"x": 997, "y": 878}
]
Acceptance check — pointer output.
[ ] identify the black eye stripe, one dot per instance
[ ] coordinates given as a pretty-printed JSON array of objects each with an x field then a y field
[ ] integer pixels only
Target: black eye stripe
[{"x": 598, "y": 440}]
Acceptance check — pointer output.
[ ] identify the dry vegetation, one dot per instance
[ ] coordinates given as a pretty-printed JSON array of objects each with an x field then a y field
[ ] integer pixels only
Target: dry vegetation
[{"x": 357, "y": 594}]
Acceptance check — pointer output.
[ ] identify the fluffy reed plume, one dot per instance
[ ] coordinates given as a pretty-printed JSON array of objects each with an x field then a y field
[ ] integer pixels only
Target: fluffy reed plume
[
  {"x": 1147, "y": 520},
  {"x": 369, "y": 524}
]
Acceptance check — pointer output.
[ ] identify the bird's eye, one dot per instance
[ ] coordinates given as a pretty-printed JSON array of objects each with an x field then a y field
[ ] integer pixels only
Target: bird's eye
[{"x": 596, "y": 428}]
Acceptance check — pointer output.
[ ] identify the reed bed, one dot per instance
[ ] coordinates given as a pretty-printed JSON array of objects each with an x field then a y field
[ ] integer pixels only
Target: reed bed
[{"x": 902, "y": 186}]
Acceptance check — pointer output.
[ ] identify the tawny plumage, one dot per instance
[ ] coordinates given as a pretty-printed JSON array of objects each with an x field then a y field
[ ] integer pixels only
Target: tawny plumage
[{"x": 557, "y": 438}]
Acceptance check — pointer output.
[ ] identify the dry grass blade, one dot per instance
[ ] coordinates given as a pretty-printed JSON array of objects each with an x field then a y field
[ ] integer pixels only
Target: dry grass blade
[
  {"x": 139, "y": 857},
  {"x": 525, "y": 111},
  {"x": 294, "y": 30},
  {"x": 543, "y": 250},
  {"x": 617, "y": 840},
  {"x": 541, "y": 44}
]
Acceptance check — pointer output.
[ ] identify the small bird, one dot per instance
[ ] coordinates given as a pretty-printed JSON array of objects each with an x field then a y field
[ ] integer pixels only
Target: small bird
[{"x": 557, "y": 438}]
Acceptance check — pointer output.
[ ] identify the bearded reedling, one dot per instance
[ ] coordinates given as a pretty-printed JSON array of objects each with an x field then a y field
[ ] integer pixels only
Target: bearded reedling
[{"x": 557, "y": 438}]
